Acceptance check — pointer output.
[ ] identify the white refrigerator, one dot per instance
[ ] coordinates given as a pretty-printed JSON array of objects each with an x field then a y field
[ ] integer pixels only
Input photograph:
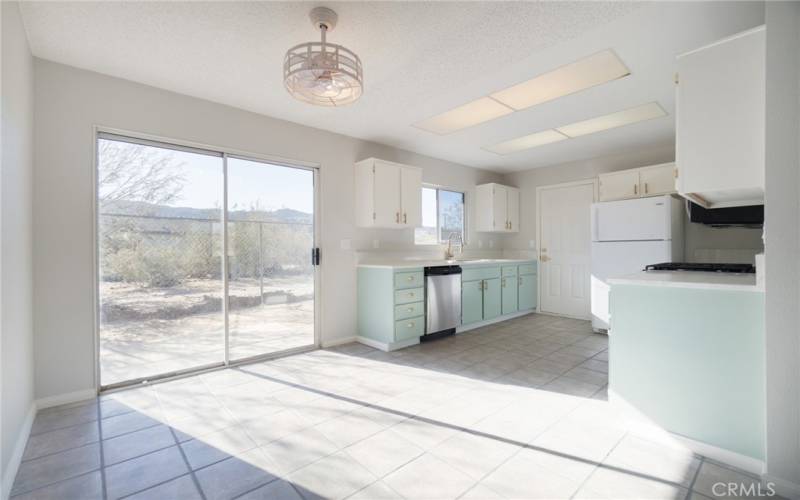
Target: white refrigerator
[{"x": 627, "y": 235}]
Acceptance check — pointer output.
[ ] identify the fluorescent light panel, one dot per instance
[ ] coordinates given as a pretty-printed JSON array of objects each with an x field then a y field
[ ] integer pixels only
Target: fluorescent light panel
[
  {"x": 475, "y": 112},
  {"x": 614, "y": 120},
  {"x": 605, "y": 122},
  {"x": 599, "y": 68},
  {"x": 527, "y": 142},
  {"x": 587, "y": 72}
]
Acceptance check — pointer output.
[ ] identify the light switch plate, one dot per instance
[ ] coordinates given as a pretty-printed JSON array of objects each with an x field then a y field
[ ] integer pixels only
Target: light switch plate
[{"x": 346, "y": 244}]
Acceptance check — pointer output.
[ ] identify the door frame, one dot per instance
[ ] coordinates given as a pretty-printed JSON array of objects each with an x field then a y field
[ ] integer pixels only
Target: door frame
[
  {"x": 595, "y": 196},
  {"x": 225, "y": 153}
]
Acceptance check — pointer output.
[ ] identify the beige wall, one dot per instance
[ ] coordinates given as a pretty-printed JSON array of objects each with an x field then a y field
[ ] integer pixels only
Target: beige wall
[
  {"x": 16, "y": 330},
  {"x": 70, "y": 101},
  {"x": 697, "y": 236}
]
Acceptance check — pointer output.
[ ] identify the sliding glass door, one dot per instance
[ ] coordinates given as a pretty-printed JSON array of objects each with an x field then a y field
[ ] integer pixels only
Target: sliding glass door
[
  {"x": 165, "y": 302},
  {"x": 270, "y": 237}
]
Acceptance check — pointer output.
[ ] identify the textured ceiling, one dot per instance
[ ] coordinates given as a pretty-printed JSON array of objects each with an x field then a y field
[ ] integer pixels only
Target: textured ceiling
[{"x": 419, "y": 59}]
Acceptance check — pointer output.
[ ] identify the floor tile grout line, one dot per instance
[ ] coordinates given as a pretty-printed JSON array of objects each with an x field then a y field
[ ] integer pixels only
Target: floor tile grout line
[
  {"x": 694, "y": 478},
  {"x": 82, "y": 474}
]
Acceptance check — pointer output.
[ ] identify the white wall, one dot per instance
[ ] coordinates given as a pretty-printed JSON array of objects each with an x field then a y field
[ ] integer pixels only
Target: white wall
[
  {"x": 783, "y": 244},
  {"x": 16, "y": 330},
  {"x": 69, "y": 101},
  {"x": 697, "y": 236}
]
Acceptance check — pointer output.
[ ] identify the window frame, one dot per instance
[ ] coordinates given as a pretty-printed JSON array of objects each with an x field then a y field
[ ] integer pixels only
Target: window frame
[{"x": 439, "y": 241}]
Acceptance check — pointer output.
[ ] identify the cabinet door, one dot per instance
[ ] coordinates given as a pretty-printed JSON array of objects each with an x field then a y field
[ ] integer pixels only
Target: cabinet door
[
  {"x": 411, "y": 196},
  {"x": 484, "y": 209},
  {"x": 527, "y": 291},
  {"x": 657, "y": 180},
  {"x": 619, "y": 185},
  {"x": 508, "y": 285},
  {"x": 500, "y": 208},
  {"x": 720, "y": 121},
  {"x": 471, "y": 302},
  {"x": 491, "y": 298},
  {"x": 513, "y": 209},
  {"x": 386, "y": 194}
]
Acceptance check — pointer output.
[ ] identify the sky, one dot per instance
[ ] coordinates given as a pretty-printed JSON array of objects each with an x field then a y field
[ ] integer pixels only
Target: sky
[{"x": 250, "y": 183}]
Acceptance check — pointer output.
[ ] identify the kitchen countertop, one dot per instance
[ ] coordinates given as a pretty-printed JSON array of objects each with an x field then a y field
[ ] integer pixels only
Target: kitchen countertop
[
  {"x": 412, "y": 263},
  {"x": 692, "y": 279}
]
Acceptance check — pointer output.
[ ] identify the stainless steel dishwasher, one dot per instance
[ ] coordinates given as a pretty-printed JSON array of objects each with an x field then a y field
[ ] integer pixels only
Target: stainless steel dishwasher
[{"x": 442, "y": 301}]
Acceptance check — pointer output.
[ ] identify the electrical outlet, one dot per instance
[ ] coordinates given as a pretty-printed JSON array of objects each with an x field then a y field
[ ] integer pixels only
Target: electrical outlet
[{"x": 376, "y": 243}]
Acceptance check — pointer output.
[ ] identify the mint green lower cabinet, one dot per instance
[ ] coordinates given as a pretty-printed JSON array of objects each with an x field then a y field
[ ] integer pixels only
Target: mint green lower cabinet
[
  {"x": 471, "y": 302},
  {"x": 527, "y": 291},
  {"x": 491, "y": 298},
  {"x": 508, "y": 284}
]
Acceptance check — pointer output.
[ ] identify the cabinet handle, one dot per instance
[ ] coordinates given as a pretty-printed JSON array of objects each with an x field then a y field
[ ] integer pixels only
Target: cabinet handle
[
  {"x": 503, "y": 282},
  {"x": 645, "y": 188},
  {"x": 410, "y": 278},
  {"x": 410, "y": 309},
  {"x": 519, "y": 281},
  {"x": 635, "y": 189},
  {"x": 405, "y": 218},
  {"x": 410, "y": 325},
  {"x": 410, "y": 294},
  {"x": 397, "y": 217},
  {"x": 510, "y": 225}
]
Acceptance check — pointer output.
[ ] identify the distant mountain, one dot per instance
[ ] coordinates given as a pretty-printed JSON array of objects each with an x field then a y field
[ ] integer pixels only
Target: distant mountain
[{"x": 143, "y": 209}]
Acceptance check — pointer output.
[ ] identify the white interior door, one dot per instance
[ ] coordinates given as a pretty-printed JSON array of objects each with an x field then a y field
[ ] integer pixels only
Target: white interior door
[{"x": 565, "y": 249}]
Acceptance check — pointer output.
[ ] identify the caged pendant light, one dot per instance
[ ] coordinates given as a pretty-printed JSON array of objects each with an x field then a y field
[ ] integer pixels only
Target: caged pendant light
[{"x": 322, "y": 73}]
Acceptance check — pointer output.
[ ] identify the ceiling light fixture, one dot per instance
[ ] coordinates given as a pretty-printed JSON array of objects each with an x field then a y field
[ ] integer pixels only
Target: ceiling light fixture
[
  {"x": 322, "y": 73},
  {"x": 613, "y": 120},
  {"x": 527, "y": 142},
  {"x": 472, "y": 113},
  {"x": 588, "y": 72}
]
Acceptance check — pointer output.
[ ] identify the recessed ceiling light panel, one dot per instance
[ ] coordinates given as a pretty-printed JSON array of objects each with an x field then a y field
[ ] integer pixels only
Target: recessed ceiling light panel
[
  {"x": 475, "y": 112},
  {"x": 599, "y": 68},
  {"x": 527, "y": 142},
  {"x": 614, "y": 120}
]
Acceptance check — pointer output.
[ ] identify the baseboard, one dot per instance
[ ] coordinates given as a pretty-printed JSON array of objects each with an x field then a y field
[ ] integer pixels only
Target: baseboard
[
  {"x": 782, "y": 487},
  {"x": 387, "y": 347},
  {"x": 335, "y": 342},
  {"x": 499, "y": 319},
  {"x": 16, "y": 454},
  {"x": 63, "y": 399},
  {"x": 725, "y": 456}
]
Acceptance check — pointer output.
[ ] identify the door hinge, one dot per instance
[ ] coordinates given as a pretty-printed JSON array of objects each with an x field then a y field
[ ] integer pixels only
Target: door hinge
[
  {"x": 315, "y": 256},
  {"x": 373, "y": 169},
  {"x": 373, "y": 216},
  {"x": 676, "y": 79},
  {"x": 675, "y": 172}
]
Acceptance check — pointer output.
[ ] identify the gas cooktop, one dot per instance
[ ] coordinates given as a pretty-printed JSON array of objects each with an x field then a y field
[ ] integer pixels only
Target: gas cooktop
[{"x": 694, "y": 266}]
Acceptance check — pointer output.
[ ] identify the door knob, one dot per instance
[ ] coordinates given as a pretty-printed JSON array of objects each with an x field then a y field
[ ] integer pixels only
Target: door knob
[{"x": 544, "y": 258}]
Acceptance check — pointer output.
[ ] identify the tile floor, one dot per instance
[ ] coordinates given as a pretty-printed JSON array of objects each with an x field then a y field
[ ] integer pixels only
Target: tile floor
[{"x": 514, "y": 410}]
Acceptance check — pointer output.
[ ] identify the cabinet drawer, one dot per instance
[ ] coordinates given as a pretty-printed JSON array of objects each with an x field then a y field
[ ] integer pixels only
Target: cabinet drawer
[
  {"x": 481, "y": 273},
  {"x": 408, "y": 280},
  {"x": 408, "y": 328},
  {"x": 509, "y": 270},
  {"x": 410, "y": 295},
  {"x": 404, "y": 311},
  {"x": 527, "y": 269}
]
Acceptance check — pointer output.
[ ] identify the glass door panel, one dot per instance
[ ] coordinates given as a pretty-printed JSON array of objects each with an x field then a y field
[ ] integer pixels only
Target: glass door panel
[
  {"x": 160, "y": 287},
  {"x": 270, "y": 273}
]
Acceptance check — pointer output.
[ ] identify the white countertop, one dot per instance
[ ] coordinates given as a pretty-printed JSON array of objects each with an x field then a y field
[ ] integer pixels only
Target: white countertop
[
  {"x": 692, "y": 279},
  {"x": 414, "y": 263}
]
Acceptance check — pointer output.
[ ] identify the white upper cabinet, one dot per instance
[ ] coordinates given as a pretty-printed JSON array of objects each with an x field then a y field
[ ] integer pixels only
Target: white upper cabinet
[
  {"x": 497, "y": 208},
  {"x": 388, "y": 195},
  {"x": 640, "y": 182},
  {"x": 720, "y": 111}
]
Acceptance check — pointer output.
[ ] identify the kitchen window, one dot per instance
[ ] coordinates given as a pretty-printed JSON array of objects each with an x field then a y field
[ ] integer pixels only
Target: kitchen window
[{"x": 442, "y": 216}]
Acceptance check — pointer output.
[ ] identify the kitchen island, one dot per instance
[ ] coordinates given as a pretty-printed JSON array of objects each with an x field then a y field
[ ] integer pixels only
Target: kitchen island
[{"x": 687, "y": 352}]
